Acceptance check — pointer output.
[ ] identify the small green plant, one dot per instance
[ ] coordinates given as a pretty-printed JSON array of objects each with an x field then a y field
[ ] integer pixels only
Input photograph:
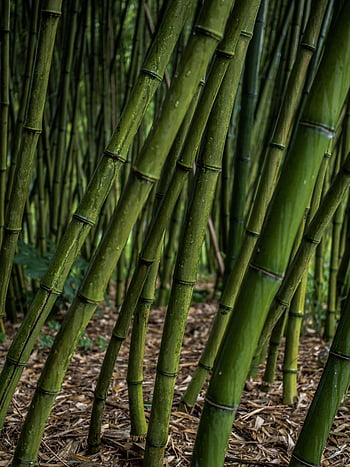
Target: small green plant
[
  {"x": 36, "y": 264},
  {"x": 102, "y": 343}
]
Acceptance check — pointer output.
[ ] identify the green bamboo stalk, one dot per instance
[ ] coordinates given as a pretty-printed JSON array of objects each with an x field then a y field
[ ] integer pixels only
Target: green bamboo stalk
[
  {"x": 170, "y": 255},
  {"x": 155, "y": 234},
  {"x": 311, "y": 240},
  {"x": 136, "y": 354},
  {"x": 262, "y": 198},
  {"x": 61, "y": 131},
  {"x": 4, "y": 106},
  {"x": 296, "y": 311},
  {"x": 90, "y": 205},
  {"x": 16, "y": 139},
  {"x": 184, "y": 278},
  {"x": 290, "y": 363},
  {"x": 278, "y": 331},
  {"x": 267, "y": 92},
  {"x": 332, "y": 303},
  {"x": 194, "y": 229},
  {"x": 270, "y": 260},
  {"x": 331, "y": 389},
  {"x": 272, "y": 355},
  {"x": 145, "y": 172},
  {"x": 50, "y": 13},
  {"x": 293, "y": 317},
  {"x": 148, "y": 256},
  {"x": 243, "y": 155}
]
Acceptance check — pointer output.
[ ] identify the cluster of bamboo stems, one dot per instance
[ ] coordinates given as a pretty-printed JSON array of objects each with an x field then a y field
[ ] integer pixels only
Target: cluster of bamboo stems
[{"x": 232, "y": 141}]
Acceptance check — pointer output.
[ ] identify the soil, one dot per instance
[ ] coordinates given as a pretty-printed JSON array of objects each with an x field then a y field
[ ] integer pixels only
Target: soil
[{"x": 264, "y": 430}]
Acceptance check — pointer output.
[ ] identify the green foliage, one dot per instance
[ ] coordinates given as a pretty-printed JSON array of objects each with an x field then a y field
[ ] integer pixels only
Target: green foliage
[
  {"x": 36, "y": 264},
  {"x": 85, "y": 342},
  {"x": 199, "y": 295}
]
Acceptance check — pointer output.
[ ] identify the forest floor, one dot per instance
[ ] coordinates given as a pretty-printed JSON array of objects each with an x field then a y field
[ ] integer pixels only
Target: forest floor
[{"x": 263, "y": 434}]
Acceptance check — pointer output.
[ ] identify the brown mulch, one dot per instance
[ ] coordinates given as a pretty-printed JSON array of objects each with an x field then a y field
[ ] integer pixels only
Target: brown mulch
[{"x": 263, "y": 434}]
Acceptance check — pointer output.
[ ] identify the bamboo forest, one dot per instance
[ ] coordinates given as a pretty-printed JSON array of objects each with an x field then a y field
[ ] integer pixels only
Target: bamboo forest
[{"x": 175, "y": 233}]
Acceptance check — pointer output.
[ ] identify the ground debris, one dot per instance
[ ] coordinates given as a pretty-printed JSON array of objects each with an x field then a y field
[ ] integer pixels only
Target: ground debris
[{"x": 263, "y": 434}]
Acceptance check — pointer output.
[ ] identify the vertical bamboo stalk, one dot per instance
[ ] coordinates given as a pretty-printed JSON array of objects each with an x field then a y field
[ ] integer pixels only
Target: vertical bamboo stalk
[
  {"x": 50, "y": 13},
  {"x": 271, "y": 256},
  {"x": 4, "y": 105}
]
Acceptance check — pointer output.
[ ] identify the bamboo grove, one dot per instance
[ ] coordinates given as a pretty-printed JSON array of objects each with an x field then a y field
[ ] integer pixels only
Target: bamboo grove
[{"x": 143, "y": 143}]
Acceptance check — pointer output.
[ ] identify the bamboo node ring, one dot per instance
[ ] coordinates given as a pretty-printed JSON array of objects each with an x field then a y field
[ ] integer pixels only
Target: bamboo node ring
[
  {"x": 185, "y": 167},
  {"x": 143, "y": 176},
  {"x": 225, "y": 53},
  {"x": 168, "y": 374},
  {"x": 13, "y": 230},
  {"x": 208, "y": 32},
  {"x": 187, "y": 283},
  {"x": 92, "y": 301},
  {"x": 37, "y": 131},
  {"x": 205, "y": 367},
  {"x": 212, "y": 168},
  {"x": 114, "y": 156},
  {"x": 308, "y": 464},
  {"x": 146, "y": 300},
  {"x": 307, "y": 46},
  {"x": 228, "y": 408},
  {"x": 312, "y": 240},
  {"x": 135, "y": 383},
  {"x": 50, "y": 290},
  {"x": 282, "y": 302},
  {"x": 52, "y": 12},
  {"x": 16, "y": 362},
  {"x": 147, "y": 262},
  {"x": 317, "y": 126},
  {"x": 251, "y": 233},
  {"x": 265, "y": 272},
  {"x": 224, "y": 309},
  {"x": 296, "y": 314},
  {"x": 47, "y": 392},
  {"x": 83, "y": 219},
  {"x": 339, "y": 355},
  {"x": 152, "y": 74},
  {"x": 280, "y": 146}
]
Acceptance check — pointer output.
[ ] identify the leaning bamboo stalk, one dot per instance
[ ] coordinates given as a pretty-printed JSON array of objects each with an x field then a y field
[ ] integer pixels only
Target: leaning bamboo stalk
[
  {"x": 145, "y": 173},
  {"x": 194, "y": 229},
  {"x": 330, "y": 391},
  {"x": 87, "y": 213},
  {"x": 149, "y": 252},
  {"x": 291, "y": 317},
  {"x": 268, "y": 264},
  {"x": 276, "y": 150},
  {"x": 148, "y": 256}
]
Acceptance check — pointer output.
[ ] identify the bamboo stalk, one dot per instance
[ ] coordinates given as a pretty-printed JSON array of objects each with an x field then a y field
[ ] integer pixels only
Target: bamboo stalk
[
  {"x": 50, "y": 13},
  {"x": 146, "y": 172},
  {"x": 270, "y": 260},
  {"x": 330, "y": 391},
  {"x": 276, "y": 150},
  {"x": 89, "y": 207}
]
